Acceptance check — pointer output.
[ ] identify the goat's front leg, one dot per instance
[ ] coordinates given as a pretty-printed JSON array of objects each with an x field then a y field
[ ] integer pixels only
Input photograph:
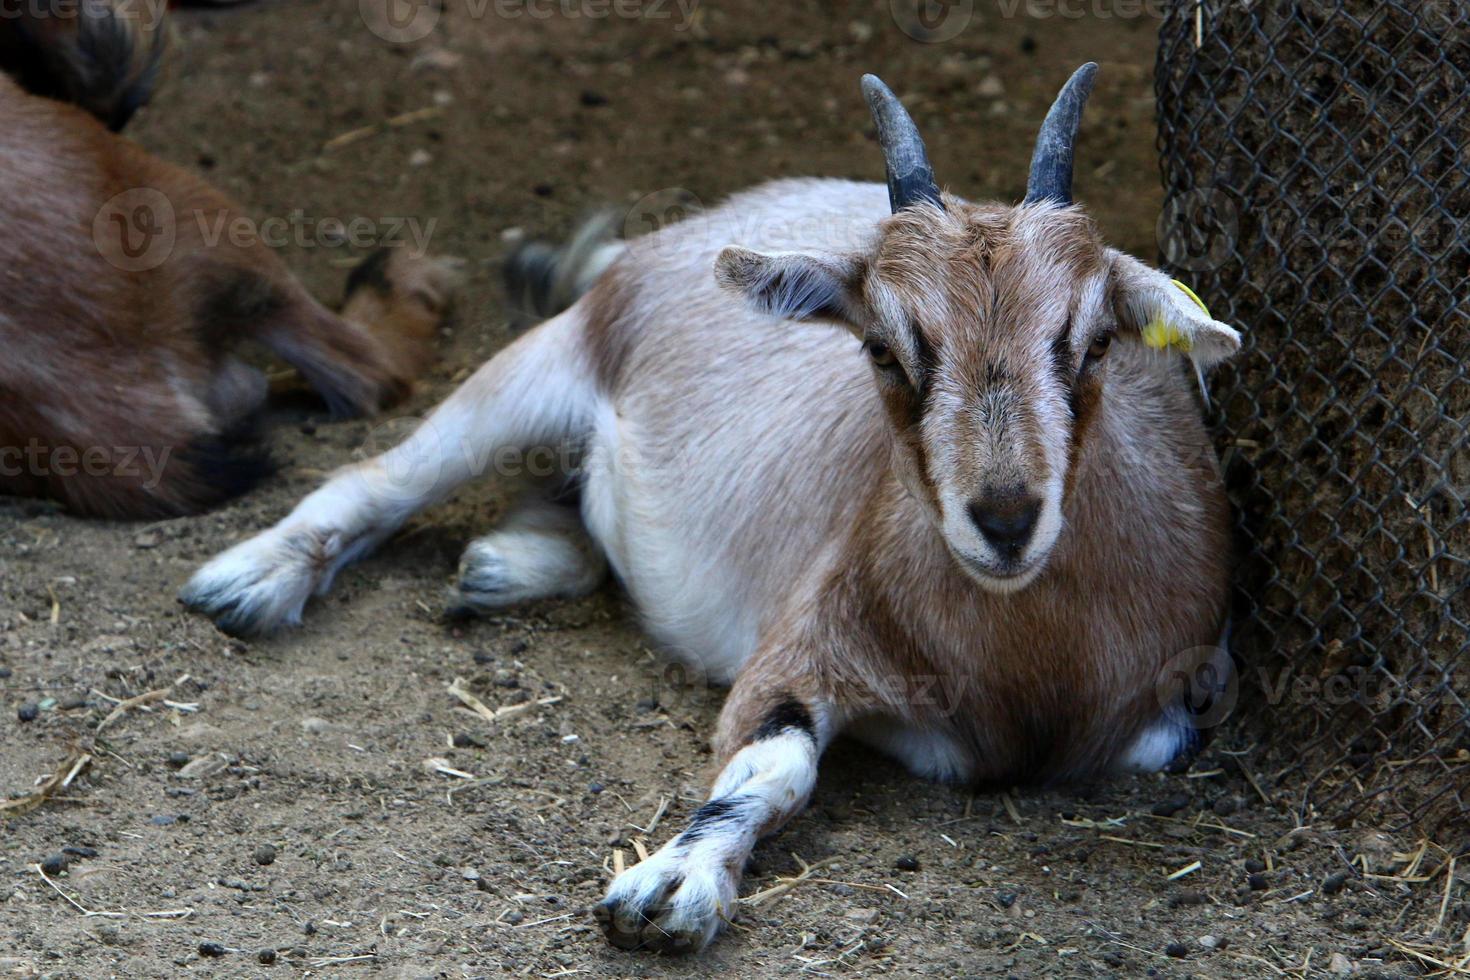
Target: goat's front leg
[{"x": 771, "y": 734}]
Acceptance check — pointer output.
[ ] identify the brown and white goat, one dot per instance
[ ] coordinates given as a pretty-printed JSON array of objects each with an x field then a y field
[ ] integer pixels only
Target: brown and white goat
[
  {"x": 120, "y": 394},
  {"x": 892, "y": 463}
]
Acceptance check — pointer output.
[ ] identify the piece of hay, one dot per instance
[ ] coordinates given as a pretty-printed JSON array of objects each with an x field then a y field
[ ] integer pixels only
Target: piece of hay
[{"x": 58, "y": 780}]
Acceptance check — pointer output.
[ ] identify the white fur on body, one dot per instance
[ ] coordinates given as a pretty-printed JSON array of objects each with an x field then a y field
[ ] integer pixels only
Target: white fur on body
[{"x": 721, "y": 470}]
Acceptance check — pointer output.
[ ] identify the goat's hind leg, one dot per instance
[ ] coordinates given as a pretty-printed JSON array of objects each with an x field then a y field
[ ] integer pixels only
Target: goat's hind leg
[
  {"x": 539, "y": 390},
  {"x": 540, "y": 551}
]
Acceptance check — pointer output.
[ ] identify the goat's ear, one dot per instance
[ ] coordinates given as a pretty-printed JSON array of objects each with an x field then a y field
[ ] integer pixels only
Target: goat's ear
[
  {"x": 797, "y": 285},
  {"x": 1164, "y": 315}
]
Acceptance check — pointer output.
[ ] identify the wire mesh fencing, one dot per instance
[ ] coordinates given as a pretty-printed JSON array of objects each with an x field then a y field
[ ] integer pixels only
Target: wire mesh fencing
[{"x": 1316, "y": 159}]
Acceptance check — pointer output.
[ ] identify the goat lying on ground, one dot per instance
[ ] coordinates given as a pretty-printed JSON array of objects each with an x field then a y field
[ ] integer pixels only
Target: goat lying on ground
[
  {"x": 974, "y": 544},
  {"x": 119, "y": 392}
]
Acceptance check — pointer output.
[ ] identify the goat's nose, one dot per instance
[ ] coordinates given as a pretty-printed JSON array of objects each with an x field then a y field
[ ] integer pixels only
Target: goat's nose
[{"x": 1006, "y": 519}]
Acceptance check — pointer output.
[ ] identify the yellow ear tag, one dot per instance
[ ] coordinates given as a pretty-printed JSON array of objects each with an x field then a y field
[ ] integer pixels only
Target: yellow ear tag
[{"x": 1158, "y": 334}]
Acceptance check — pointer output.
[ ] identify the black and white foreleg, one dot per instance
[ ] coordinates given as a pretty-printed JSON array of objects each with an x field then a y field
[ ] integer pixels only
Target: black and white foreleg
[{"x": 681, "y": 897}]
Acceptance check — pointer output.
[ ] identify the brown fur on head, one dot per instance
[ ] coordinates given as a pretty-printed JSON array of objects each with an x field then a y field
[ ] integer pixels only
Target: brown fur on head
[{"x": 988, "y": 328}]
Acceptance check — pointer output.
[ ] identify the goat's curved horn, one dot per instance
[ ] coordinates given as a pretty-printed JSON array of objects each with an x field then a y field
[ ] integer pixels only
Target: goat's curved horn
[
  {"x": 1051, "y": 161},
  {"x": 910, "y": 178}
]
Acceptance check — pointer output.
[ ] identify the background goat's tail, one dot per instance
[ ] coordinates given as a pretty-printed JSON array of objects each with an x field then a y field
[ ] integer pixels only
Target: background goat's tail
[
  {"x": 542, "y": 278},
  {"x": 101, "y": 55}
]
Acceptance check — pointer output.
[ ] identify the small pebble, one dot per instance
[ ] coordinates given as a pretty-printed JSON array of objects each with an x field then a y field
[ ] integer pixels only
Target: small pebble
[
  {"x": 1258, "y": 882},
  {"x": 594, "y": 788},
  {"x": 54, "y": 864},
  {"x": 1226, "y": 805},
  {"x": 212, "y": 949},
  {"x": 1209, "y": 942},
  {"x": 1006, "y": 899},
  {"x": 907, "y": 863},
  {"x": 1169, "y": 807},
  {"x": 1333, "y": 883},
  {"x": 6, "y": 673},
  {"x": 1177, "y": 950},
  {"x": 164, "y": 820},
  {"x": 463, "y": 740},
  {"x": 264, "y": 854},
  {"x": 80, "y": 852},
  {"x": 266, "y": 956},
  {"x": 1254, "y": 865},
  {"x": 178, "y": 760},
  {"x": 28, "y": 711}
]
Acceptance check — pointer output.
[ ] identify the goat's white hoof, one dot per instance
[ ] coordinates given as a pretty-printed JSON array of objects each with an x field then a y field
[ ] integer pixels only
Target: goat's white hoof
[
  {"x": 671, "y": 903},
  {"x": 514, "y": 566},
  {"x": 259, "y": 584}
]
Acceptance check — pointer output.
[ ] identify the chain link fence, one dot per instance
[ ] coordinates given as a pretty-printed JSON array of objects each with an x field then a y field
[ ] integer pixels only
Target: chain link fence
[{"x": 1316, "y": 157}]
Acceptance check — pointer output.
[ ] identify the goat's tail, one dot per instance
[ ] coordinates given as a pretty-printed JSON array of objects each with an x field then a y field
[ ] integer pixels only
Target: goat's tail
[
  {"x": 101, "y": 55},
  {"x": 542, "y": 279}
]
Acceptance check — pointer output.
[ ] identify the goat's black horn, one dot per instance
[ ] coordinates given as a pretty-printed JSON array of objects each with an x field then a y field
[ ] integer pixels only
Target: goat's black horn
[
  {"x": 1051, "y": 161},
  {"x": 910, "y": 178}
]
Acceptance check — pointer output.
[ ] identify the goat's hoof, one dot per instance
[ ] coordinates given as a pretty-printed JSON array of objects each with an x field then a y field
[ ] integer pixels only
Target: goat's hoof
[
  {"x": 256, "y": 586},
  {"x": 505, "y": 568},
  {"x": 666, "y": 905}
]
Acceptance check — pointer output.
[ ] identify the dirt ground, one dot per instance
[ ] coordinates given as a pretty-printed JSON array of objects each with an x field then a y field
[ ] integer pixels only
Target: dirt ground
[{"x": 306, "y": 821}]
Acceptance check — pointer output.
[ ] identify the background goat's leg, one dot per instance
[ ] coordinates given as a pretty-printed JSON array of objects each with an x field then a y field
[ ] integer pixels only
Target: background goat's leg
[
  {"x": 539, "y": 390},
  {"x": 772, "y": 731}
]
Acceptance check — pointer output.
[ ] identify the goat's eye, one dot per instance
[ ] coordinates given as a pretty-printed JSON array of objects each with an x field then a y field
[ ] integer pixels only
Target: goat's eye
[
  {"x": 882, "y": 354},
  {"x": 1099, "y": 346}
]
